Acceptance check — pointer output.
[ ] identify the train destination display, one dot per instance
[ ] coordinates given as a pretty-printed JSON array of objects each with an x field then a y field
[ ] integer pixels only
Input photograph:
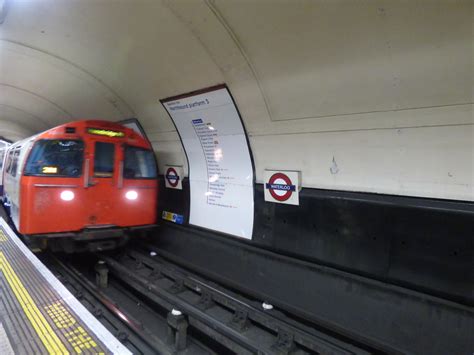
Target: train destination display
[{"x": 220, "y": 165}]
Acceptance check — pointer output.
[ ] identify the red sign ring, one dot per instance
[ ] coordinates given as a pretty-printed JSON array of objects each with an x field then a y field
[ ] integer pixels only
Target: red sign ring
[
  {"x": 287, "y": 180},
  {"x": 172, "y": 182}
]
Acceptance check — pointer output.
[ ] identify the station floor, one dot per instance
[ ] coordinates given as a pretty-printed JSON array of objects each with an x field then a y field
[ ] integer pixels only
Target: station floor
[{"x": 38, "y": 315}]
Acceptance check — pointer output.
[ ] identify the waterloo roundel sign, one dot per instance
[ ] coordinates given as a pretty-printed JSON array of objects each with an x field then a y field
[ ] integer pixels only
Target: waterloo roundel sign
[
  {"x": 172, "y": 177},
  {"x": 280, "y": 187}
]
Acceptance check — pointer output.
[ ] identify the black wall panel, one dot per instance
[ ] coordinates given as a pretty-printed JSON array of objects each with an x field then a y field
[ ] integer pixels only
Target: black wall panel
[{"x": 424, "y": 244}]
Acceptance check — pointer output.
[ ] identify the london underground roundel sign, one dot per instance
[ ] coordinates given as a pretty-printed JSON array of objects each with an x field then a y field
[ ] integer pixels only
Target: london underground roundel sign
[
  {"x": 172, "y": 177},
  {"x": 280, "y": 187}
]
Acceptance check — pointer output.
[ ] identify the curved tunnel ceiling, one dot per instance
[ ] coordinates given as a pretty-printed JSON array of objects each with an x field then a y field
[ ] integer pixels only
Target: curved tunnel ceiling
[{"x": 306, "y": 74}]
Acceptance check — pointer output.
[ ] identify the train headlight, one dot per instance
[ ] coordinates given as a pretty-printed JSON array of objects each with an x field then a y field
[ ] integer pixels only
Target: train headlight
[
  {"x": 67, "y": 195},
  {"x": 131, "y": 195}
]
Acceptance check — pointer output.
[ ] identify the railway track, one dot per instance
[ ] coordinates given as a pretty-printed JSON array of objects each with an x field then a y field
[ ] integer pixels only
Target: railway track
[
  {"x": 241, "y": 325},
  {"x": 140, "y": 328}
]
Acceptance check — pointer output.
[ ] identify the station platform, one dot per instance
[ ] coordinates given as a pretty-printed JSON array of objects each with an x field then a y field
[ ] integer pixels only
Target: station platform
[{"x": 38, "y": 315}]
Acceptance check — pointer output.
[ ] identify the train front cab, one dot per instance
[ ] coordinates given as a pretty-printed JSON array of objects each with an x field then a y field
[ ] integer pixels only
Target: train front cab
[{"x": 87, "y": 192}]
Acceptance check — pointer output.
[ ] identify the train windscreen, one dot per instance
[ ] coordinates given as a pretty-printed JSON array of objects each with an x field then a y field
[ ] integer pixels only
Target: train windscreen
[
  {"x": 139, "y": 164},
  {"x": 56, "y": 157}
]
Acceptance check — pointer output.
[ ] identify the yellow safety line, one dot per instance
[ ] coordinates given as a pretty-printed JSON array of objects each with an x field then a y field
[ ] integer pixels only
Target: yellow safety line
[{"x": 47, "y": 335}]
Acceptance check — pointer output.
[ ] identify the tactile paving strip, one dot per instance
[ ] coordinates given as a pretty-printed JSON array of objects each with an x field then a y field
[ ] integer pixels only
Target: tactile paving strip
[{"x": 38, "y": 314}]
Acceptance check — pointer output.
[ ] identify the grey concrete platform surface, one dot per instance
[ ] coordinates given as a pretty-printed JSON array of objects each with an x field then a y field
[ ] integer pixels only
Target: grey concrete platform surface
[{"x": 38, "y": 315}]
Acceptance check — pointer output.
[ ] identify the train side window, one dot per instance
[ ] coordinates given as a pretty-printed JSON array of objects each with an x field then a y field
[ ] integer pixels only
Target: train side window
[
  {"x": 139, "y": 163},
  {"x": 55, "y": 157},
  {"x": 104, "y": 159},
  {"x": 14, "y": 166},
  {"x": 2, "y": 157},
  {"x": 9, "y": 162}
]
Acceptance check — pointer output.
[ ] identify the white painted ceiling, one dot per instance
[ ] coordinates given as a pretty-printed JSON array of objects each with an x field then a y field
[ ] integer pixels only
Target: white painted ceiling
[{"x": 312, "y": 71}]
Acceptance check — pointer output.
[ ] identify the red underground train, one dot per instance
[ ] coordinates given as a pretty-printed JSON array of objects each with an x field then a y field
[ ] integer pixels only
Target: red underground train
[{"x": 81, "y": 186}]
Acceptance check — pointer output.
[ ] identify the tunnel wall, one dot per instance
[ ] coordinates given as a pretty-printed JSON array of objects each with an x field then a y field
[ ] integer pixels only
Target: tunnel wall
[
  {"x": 357, "y": 97},
  {"x": 371, "y": 96}
]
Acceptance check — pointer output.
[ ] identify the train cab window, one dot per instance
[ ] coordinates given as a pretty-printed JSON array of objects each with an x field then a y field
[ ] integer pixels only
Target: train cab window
[
  {"x": 56, "y": 157},
  {"x": 139, "y": 163},
  {"x": 104, "y": 159}
]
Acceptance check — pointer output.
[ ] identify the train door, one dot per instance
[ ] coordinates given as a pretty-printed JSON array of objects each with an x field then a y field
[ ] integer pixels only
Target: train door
[{"x": 101, "y": 179}]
